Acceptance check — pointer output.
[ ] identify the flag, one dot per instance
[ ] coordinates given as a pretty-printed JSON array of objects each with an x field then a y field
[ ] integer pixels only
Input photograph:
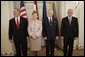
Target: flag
[
  {"x": 52, "y": 7},
  {"x": 44, "y": 11},
  {"x": 23, "y": 12},
  {"x": 44, "y": 15},
  {"x": 54, "y": 11},
  {"x": 36, "y": 8}
]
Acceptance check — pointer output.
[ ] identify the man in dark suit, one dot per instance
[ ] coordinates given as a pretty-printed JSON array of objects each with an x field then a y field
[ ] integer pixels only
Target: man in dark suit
[
  {"x": 69, "y": 31},
  {"x": 50, "y": 32},
  {"x": 18, "y": 32}
]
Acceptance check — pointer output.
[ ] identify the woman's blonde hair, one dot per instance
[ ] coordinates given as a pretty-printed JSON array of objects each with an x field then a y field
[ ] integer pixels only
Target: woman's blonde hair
[{"x": 34, "y": 12}]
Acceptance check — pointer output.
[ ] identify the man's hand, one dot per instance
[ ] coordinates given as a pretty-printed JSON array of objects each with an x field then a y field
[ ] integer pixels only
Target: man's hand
[
  {"x": 33, "y": 36},
  {"x": 10, "y": 41},
  {"x": 27, "y": 37},
  {"x": 45, "y": 38},
  {"x": 62, "y": 37},
  {"x": 76, "y": 38},
  {"x": 57, "y": 37}
]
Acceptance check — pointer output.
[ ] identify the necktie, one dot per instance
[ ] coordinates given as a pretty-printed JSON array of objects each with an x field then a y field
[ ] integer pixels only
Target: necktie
[
  {"x": 69, "y": 20},
  {"x": 17, "y": 24},
  {"x": 50, "y": 20}
]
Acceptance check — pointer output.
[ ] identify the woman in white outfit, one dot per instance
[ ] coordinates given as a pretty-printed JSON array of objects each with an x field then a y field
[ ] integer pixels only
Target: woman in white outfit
[{"x": 35, "y": 33}]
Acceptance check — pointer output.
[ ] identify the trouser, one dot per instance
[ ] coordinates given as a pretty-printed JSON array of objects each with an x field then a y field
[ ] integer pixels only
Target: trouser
[
  {"x": 68, "y": 46},
  {"x": 21, "y": 46},
  {"x": 50, "y": 44}
]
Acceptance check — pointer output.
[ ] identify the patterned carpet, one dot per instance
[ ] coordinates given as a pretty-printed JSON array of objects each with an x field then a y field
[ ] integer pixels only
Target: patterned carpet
[{"x": 58, "y": 52}]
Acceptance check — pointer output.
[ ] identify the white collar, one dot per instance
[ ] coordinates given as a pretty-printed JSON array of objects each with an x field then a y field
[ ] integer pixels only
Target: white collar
[
  {"x": 69, "y": 16},
  {"x": 18, "y": 19}
]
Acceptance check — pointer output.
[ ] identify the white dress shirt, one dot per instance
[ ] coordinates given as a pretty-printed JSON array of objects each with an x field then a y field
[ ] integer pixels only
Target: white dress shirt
[
  {"x": 49, "y": 19},
  {"x": 70, "y": 19},
  {"x": 18, "y": 19}
]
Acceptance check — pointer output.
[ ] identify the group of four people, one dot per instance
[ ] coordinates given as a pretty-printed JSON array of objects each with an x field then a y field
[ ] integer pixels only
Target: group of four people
[{"x": 20, "y": 30}]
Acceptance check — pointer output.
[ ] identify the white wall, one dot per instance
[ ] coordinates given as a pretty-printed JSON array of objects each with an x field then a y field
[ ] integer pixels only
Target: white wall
[
  {"x": 81, "y": 24},
  {"x": 6, "y": 13}
]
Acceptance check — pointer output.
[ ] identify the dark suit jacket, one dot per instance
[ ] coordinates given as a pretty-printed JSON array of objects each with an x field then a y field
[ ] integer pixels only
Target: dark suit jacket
[
  {"x": 50, "y": 31},
  {"x": 20, "y": 33},
  {"x": 69, "y": 30}
]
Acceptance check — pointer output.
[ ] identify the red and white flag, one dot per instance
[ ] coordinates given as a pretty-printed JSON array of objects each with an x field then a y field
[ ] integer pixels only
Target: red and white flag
[{"x": 23, "y": 12}]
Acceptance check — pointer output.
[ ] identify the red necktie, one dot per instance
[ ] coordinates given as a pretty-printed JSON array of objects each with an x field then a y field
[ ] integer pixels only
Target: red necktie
[{"x": 17, "y": 24}]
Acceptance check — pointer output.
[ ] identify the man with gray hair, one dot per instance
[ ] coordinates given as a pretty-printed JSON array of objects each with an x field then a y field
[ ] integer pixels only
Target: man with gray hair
[{"x": 69, "y": 31}]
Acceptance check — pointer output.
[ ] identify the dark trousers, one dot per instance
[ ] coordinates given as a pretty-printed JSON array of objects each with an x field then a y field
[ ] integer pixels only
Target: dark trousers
[
  {"x": 50, "y": 44},
  {"x": 21, "y": 46},
  {"x": 68, "y": 46}
]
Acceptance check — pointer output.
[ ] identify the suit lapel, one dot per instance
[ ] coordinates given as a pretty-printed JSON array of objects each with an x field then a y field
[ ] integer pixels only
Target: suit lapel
[
  {"x": 67, "y": 21},
  {"x": 20, "y": 21},
  {"x": 48, "y": 21},
  {"x": 72, "y": 21},
  {"x": 14, "y": 22}
]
